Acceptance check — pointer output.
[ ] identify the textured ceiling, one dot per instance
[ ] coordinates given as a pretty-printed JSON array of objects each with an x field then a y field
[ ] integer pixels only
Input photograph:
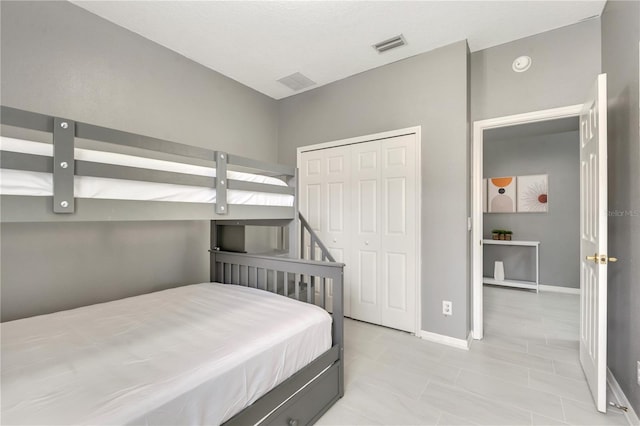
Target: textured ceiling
[{"x": 259, "y": 42}]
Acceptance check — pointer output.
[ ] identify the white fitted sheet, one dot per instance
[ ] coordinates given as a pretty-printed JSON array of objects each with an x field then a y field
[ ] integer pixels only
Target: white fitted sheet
[
  {"x": 197, "y": 354},
  {"x": 19, "y": 182}
]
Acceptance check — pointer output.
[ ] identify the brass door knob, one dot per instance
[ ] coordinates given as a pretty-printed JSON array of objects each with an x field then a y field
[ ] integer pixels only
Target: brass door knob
[
  {"x": 602, "y": 258},
  {"x": 595, "y": 258}
]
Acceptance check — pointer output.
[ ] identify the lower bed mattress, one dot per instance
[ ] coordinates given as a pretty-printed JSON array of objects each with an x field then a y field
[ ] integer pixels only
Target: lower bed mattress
[{"x": 197, "y": 354}]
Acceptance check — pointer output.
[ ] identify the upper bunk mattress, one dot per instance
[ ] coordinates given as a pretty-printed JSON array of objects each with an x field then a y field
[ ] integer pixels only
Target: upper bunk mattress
[
  {"x": 197, "y": 354},
  {"x": 29, "y": 183}
]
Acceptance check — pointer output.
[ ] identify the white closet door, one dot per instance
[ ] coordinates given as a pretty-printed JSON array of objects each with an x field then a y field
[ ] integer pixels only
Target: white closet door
[
  {"x": 312, "y": 194},
  {"x": 365, "y": 232},
  {"x": 398, "y": 278},
  {"x": 335, "y": 228},
  {"x": 361, "y": 201},
  {"x": 324, "y": 196}
]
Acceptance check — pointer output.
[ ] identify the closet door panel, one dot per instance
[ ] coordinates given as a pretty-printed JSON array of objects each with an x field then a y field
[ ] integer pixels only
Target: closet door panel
[
  {"x": 367, "y": 202},
  {"x": 312, "y": 193},
  {"x": 395, "y": 206},
  {"x": 395, "y": 266},
  {"x": 336, "y": 195},
  {"x": 366, "y": 291},
  {"x": 398, "y": 236},
  {"x": 313, "y": 205},
  {"x": 335, "y": 235},
  {"x": 368, "y": 278}
]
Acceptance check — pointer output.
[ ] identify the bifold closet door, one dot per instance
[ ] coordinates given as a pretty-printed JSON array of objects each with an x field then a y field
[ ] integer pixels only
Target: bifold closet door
[
  {"x": 365, "y": 232},
  {"x": 383, "y": 284},
  {"x": 360, "y": 200},
  {"x": 324, "y": 196},
  {"x": 398, "y": 239}
]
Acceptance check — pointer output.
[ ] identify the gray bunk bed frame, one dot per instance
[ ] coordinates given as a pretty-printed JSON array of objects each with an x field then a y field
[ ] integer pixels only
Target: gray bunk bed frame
[{"x": 309, "y": 393}]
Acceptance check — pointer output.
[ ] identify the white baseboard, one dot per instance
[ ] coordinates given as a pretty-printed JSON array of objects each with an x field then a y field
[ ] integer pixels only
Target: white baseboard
[
  {"x": 621, "y": 399},
  {"x": 558, "y": 289},
  {"x": 446, "y": 340}
]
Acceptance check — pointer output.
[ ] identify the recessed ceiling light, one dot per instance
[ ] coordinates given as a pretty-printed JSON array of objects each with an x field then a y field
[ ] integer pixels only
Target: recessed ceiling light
[{"x": 521, "y": 64}]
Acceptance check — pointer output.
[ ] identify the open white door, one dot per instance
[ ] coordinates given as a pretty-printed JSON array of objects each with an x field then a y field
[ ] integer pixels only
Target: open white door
[{"x": 593, "y": 241}]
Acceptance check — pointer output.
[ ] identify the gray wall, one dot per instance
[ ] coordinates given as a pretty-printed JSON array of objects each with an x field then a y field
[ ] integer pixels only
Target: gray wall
[
  {"x": 428, "y": 90},
  {"x": 558, "y": 156},
  {"x": 565, "y": 64},
  {"x": 49, "y": 267},
  {"x": 620, "y": 38},
  {"x": 62, "y": 60}
]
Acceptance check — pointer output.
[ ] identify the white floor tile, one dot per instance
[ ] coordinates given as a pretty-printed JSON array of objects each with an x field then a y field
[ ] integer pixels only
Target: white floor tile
[
  {"x": 517, "y": 395},
  {"x": 340, "y": 414},
  {"x": 472, "y": 407},
  {"x": 389, "y": 408},
  {"x": 395, "y": 378},
  {"x": 539, "y": 420},
  {"x": 526, "y": 371},
  {"x": 571, "y": 370},
  {"x": 563, "y": 386},
  {"x": 447, "y": 419},
  {"x": 478, "y": 363}
]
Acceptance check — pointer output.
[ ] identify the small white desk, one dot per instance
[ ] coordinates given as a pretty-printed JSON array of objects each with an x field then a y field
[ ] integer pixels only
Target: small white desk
[{"x": 531, "y": 285}]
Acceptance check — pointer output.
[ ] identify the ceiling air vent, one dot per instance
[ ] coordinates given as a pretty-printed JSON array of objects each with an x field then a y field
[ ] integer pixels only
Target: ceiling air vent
[
  {"x": 389, "y": 44},
  {"x": 297, "y": 81}
]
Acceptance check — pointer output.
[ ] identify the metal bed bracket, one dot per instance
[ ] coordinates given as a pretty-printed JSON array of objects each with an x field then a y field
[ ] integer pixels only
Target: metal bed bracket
[
  {"x": 221, "y": 182},
  {"x": 63, "y": 165}
]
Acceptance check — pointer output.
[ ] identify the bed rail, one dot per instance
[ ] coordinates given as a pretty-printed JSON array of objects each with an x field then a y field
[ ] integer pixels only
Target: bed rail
[
  {"x": 290, "y": 277},
  {"x": 64, "y": 167},
  {"x": 315, "y": 243},
  {"x": 285, "y": 276},
  {"x": 281, "y": 275}
]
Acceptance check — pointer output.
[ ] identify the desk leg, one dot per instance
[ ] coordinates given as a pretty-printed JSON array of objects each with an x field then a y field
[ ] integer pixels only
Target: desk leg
[{"x": 537, "y": 268}]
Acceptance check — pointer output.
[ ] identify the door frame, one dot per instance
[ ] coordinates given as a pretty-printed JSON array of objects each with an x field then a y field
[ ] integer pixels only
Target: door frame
[
  {"x": 476, "y": 194},
  {"x": 417, "y": 131}
]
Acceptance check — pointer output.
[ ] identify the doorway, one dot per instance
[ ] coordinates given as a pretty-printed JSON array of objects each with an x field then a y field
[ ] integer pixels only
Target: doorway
[
  {"x": 593, "y": 227},
  {"x": 532, "y": 193},
  {"x": 478, "y": 205}
]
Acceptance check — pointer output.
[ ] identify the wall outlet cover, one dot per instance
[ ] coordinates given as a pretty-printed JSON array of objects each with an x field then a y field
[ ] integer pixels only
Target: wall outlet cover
[{"x": 447, "y": 308}]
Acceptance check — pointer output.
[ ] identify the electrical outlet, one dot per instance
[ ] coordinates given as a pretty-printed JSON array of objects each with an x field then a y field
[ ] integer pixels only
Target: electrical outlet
[{"x": 447, "y": 307}]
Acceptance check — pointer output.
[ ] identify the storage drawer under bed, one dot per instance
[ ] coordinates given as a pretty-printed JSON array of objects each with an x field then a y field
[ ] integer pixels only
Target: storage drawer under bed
[{"x": 310, "y": 403}]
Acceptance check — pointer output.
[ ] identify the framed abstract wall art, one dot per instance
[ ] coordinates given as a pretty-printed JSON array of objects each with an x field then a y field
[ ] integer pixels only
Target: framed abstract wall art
[
  {"x": 501, "y": 194},
  {"x": 533, "y": 194}
]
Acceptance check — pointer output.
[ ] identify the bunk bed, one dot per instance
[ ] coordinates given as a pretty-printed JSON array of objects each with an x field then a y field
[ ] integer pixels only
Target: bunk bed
[{"x": 253, "y": 346}]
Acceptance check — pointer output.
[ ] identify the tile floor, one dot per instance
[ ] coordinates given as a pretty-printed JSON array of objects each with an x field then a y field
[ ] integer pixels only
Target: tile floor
[{"x": 524, "y": 372}]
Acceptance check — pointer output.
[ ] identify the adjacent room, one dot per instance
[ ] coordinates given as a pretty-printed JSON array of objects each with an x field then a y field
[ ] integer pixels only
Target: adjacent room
[
  {"x": 531, "y": 222},
  {"x": 308, "y": 212}
]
